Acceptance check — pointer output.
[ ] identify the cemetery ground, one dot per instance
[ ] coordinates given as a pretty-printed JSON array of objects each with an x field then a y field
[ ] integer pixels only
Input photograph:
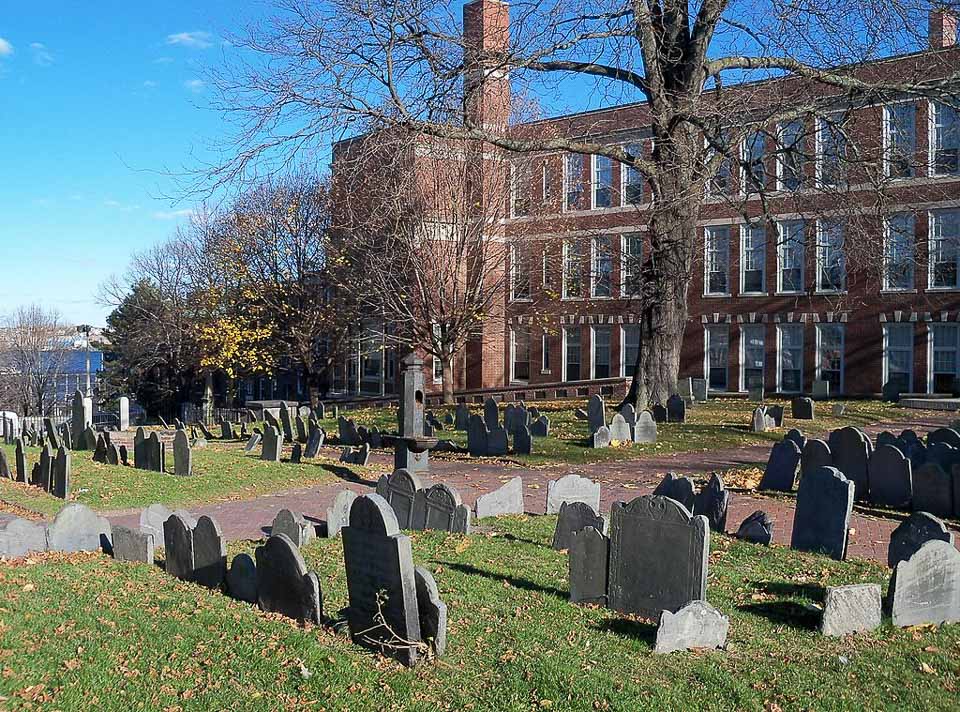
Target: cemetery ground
[{"x": 83, "y": 631}]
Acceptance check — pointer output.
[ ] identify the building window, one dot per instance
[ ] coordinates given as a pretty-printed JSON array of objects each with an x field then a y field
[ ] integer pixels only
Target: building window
[
  {"x": 831, "y": 150},
  {"x": 572, "y": 269},
  {"x": 716, "y": 357},
  {"x": 790, "y": 155},
  {"x": 545, "y": 353},
  {"x": 790, "y": 358},
  {"x": 946, "y": 139},
  {"x": 900, "y": 139},
  {"x": 944, "y": 239},
  {"x": 830, "y": 356},
  {"x": 790, "y": 255},
  {"x": 548, "y": 181},
  {"x": 943, "y": 364},
  {"x": 721, "y": 182},
  {"x": 571, "y": 353},
  {"x": 572, "y": 181},
  {"x": 601, "y": 352},
  {"x": 631, "y": 264},
  {"x": 629, "y": 348},
  {"x": 437, "y": 362},
  {"x": 898, "y": 357},
  {"x": 718, "y": 260},
  {"x": 754, "y": 157},
  {"x": 831, "y": 263},
  {"x": 519, "y": 274},
  {"x": 753, "y": 356},
  {"x": 519, "y": 189},
  {"x": 898, "y": 252},
  {"x": 602, "y": 182},
  {"x": 753, "y": 259},
  {"x": 602, "y": 277},
  {"x": 520, "y": 354},
  {"x": 632, "y": 178}
]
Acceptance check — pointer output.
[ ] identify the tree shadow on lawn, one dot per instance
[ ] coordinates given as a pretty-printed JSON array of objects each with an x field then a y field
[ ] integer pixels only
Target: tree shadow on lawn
[
  {"x": 345, "y": 473},
  {"x": 642, "y": 631},
  {"x": 521, "y": 583},
  {"x": 789, "y": 613}
]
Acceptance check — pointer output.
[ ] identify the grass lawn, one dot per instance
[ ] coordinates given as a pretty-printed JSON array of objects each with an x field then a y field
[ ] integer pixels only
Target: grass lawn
[{"x": 85, "y": 632}]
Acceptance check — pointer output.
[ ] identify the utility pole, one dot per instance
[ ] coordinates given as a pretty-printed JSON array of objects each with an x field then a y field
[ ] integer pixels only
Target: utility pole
[{"x": 85, "y": 330}]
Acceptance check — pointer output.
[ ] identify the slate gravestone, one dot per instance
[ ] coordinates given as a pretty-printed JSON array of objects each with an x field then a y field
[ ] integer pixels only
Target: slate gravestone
[
  {"x": 629, "y": 414},
  {"x": 285, "y": 424},
  {"x": 338, "y": 514},
  {"x": 461, "y": 418},
  {"x": 851, "y": 454},
  {"x": 679, "y": 489},
  {"x": 802, "y": 409},
  {"x": 696, "y": 626},
  {"x": 132, "y": 545},
  {"x": 891, "y": 477},
  {"x": 53, "y": 440},
  {"x": 645, "y": 431},
  {"x": 296, "y": 454},
  {"x": 596, "y": 413},
  {"x": 572, "y": 488},
  {"x": 100, "y": 451},
  {"x": 658, "y": 556},
  {"x": 712, "y": 502},
  {"x": 78, "y": 420},
  {"x": 89, "y": 439},
  {"x": 78, "y": 528},
  {"x": 913, "y": 532},
  {"x": 620, "y": 431},
  {"x": 60, "y": 474},
  {"x": 301, "y": 427},
  {"x": 347, "y": 433},
  {"x": 676, "y": 409},
  {"x": 242, "y": 578},
  {"x": 113, "y": 455},
  {"x": 178, "y": 546},
  {"x": 797, "y": 437},
  {"x": 272, "y": 444},
  {"x": 685, "y": 388},
  {"x": 816, "y": 454},
  {"x": 432, "y": 611},
  {"x": 20, "y": 459},
  {"x": 283, "y": 583},
  {"x": 491, "y": 416},
  {"x": 925, "y": 589},
  {"x": 4, "y": 466},
  {"x": 182, "y": 456},
  {"x": 932, "y": 490},
  {"x": 757, "y": 528},
  {"x": 508, "y": 499},
  {"x": 19, "y": 537},
  {"x": 295, "y": 526},
  {"x": 157, "y": 452},
  {"x": 152, "y": 519},
  {"x": 381, "y": 584},
  {"x": 522, "y": 441},
  {"x": 399, "y": 490},
  {"x": 944, "y": 435},
  {"x": 822, "y": 517},
  {"x": 314, "y": 442},
  {"x": 588, "y": 559},
  {"x": 659, "y": 413},
  {"x": 252, "y": 443},
  {"x": 440, "y": 507},
  {"x": 776, "y": 412},
  {"x": 226, "y": 429},
  {"x": 540, "y": 428},
  {"x": 209, "y": 553},
  {"x": 44, "y": 477},
  {"x": 851, "y": 609},
  {"x": 601, "y": 438},
  {"x": 782, "y": 467},
  {"x": 572, "y": 518}
]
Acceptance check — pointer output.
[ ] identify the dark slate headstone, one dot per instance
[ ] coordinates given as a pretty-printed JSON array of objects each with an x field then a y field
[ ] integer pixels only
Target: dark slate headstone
[
  {"x": 816, "y": 454},
  {"x": 242, "y": 578},
  {"x": 588, "y": 560},
  {"x": 100, "y": 451},
  {"x": 20, "y": 458},
  {"x": 301, "y": 428},
  {"x": 295, "y": 526},
  {"x": 522, "y": 441},
  {"x": 540, "y": 428},
  {"x": 314, "y": 442},
  {"x": 696, "y": 626},
  {"x": 60, "y": 474},
  {"x": 461, "y": 417},
  {"x": 399, "y": 489},
  {"x": 572, "y": 518},
  {"x": 124, "y": 456},
  {"x": 296, "y": 454},
  {"x": 226, "y": 429},
  {"x": 155, "y": 451},
  {"x": 209, "y": 553},
  {"x": 776, "y": 412},
  {"x": 802, "y": 409},
  {"x": 580, "y": 414},
  {"x": 932, "y": 490},
  {"x": 113, "y": 454},
  {"x": 381, "y": 583},
  {"x": 347, "y": 433},
  {"x": 944, "y": 435},
  {"x": 44, "y": 476},
  {"x": 132, "y": 545},
  {"x": 572, "y": 488},
  {"x": 915, "y": 531},
  {"x": 712, "y": 502},
  {"x": 497, "y": 443},
  {"x": 925, "y": 589},
  {"x": 432, "y": 612},
  {"x": 178, "y": 546},
  {"x": 338, "y": 514},
  {"x": 596, "y": 413},
  {"x": 851, "y": 452},
  {"x": 272, "y": 444},
  {"x": 78, "y": 528},
  {"x": 491, "y": 416},
  {"x": 283, "y": 583},
  {"x": 659, "y": 413},
  {"x": 799, "y": 438},
  {"x": 508, "y": 499},
  {"x": 891, "y": 477},
  {"x": 679, "y": 489},
  {"x": 822, "y": 518},
  {"x": 676, "y": 409},
  {"x": 182, "y": 455},
  {"x": 440, "y": 507},
  {"x": 658, "y": 556},
  {"x": 4, "y": 465},
  {"x": 478, "y": 436},
  {"x": 782, "y": 467},
  {"x": 285, "y": 423},
  {"x": 757, "y": 528}
]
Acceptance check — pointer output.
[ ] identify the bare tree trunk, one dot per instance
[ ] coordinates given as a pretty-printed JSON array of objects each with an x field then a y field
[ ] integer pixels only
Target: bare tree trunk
[{"x": 448, "y": 380}]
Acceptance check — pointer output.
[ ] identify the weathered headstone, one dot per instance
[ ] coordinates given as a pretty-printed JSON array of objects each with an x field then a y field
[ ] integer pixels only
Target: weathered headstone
[
  {"x": 461, "y": 420},
  {"x": 152, "y": 519},
  {"x": 851, "y": 453},
  {"x": 776, "y": 412},
  {"x": 314, "y": 442},
  {"x": 113, "y": 454},
  {"x": 782, "y": 467},
  {"x": 78, "y": 421},
  {"x": 645, "y": 430},
  {"x": 821, "y": 390},
  {"x": 915, "y": 531},
  {"x": 124, "y": 414},
  {"x": 822, "y": 517},
  {"x": 522, "y": 441},
  {"x": 182, "y": 455},
  {"x": 944, "y": 435},
  {"x": 540, "y": 427},
  {"x": 178, "y": 546},
  {"x": 347, "y": 433},
  {"x": 44, "y": 474},
  {"x": 891, "y": 477},
  {"x": 399, "y": 489},
  {"x": 242, "y": 578},
  {"x": 757, "y": 528},
  {"x": 696, "y": 626},
  {"x": 209, "y": 553},
  {"x": 338, "y": 514},
  {"x": 572, "y": 488},
  {"x": 802, "y": 408},
  {"x": 491, "y": 415},
  {"x": 851, "y": 609},
  {"x": 20, "y": 459},
  {"x": 508, "y": 499},
  {"x": 712, "y": 502},
  {"x": 679, "y": 489},
  {"x": 925, "y": 589},
  {"x": 601, "y": 438},
  {"x": 620, "y": 430},
  {"x": 61, "y": 474},
  {"x": 132, "y": 545},
  {"x": 574, "y": 517},
  {"x": 272, "y": 444},
  {"x": 301, "y": 428},
  {"x": 596, "y": 413},
  {"x": 296, "y": 454},
  {"x": 676, "y": 409},
  {"x": 100, "y": 451},
  {"x": 285, "y": 424},
  {"x": 19, "y": 537},
  {"x": 589, "y": 554},
  {"x": 156, "y": 451},
  {"x": 440, "y": 507},
  {"x": 295, "y": 526},
  {"x": 699, "y": 389},
  {"x": 226, "y": 429},
  {"x": 78, "y": 528},
  {"x": 932, "y": 490},
  {"x": 284, "y": 585},
  {"x": 252, "y": 443},
  {"x": 432, "y": 611},
  {"x": 89, "y": 439},
  {"x": 815, "y": 454}
]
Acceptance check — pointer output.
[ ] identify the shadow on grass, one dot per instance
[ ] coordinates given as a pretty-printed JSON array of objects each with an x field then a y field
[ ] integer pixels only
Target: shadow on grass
[
  {"x": 513, "y": 537},
  {"x": 627, "y": 628},
  {"x": 811, "y": 591},
  {"x": 345, "y": 473},
  {"x": 788, "y": 613},
  {"x": 521, "y": 583}
]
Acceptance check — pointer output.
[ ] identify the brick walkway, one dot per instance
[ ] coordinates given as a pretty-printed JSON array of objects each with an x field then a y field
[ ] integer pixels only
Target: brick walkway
[{"x": 620, "y": 481}]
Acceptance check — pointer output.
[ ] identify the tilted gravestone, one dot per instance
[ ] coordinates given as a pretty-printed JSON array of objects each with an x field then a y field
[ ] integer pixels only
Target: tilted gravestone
[
  {"x": 355, "y": 456},
  {"x": 588, "y": 561},
  {"x": 676, "y": 409},
  {"x": 851, "y": 455},
  {"x": 802, "y": 409},
  {"x": 60, "y": 474},
  {"x": 242, "y": 578},
  {"x": 851, "y": 609},
  {"x": 891, "y": 477},
  {"x": 782, "y": 467},
  {"x": 925, "y": 589},
  {"x": 572, "y": 488},
  {"x": 338, "y": 514},
  {"x": 932, "y": 490},
  {"x": 822, "y": 517},
  {"x": 272, "y": 444},
  {"x": 182, "y": 455},
  {"x": 252, "y": 443},
  {"x": 601, "y": 438},
  {"x": 913, "y": 532},
  {"x": 658, "y": 556},
  {"x": 399, "y": 489},
  {"x": 78, "y": 528},
  {"x": 314, "y": 442},
  {"x": 286, "y": 425},
  {"x": 178, "y": 546},
  {"x": 508, "y": 499},
  {"x": 284, "y": 585},
  {"x": 132, "y": 545},
  {"x": 815, "y": 454},
  {"x": 757, "y": 528},
  {"x": 432, "y": 611},
  {"x": 19, "y": 537},
  {"x": 596, "y": 413},
  {"x": 347, "y": 433},
  {"x": 712, "y": 502},
  {"x": 491, "y": 415},
  {"x": 440, "y": 507},
  {"x": 301, "y": 428},
  {"x": 209, "y": 553},
  {"x": 679, "y": 489},
  {"x": 696, "y": 626},
  {"x": 574, "y": 517},
  {"x": 295, "y": 526}
]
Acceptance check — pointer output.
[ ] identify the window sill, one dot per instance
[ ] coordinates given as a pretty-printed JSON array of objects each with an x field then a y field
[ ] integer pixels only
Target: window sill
[
  {"x": 522, "y": 300},
  {"x": 830, "y": 292},
  {"x": 895, "y": 292},
  {"x": 942, "y": 290},
  {"x": 725, "y": 295},
  {"x": 789, "y": 294},
  {"x": 753, "y": 294}
]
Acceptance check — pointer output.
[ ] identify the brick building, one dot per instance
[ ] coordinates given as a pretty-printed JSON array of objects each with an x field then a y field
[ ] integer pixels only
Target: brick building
[{"x": 851, "y": 274}]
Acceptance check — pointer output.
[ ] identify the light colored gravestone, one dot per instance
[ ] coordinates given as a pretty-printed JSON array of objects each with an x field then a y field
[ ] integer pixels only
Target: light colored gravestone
[
  {"x": 522, "y": 441},
  {"x": 851, "y": 609},
  {"x": 712, "y": 502},
  {"x": 209, "y": 553},
  {"x": 758, "y": 423},
  {"x": 440, "y": 507},
  {"x": 676, "y": 409},
  {"x": 272, "y": 444},
  {"x": 242, "y": 578},
  {"x": 782, "y": 467},
  {"x": 696, "y": 626},
  {"x": 491, "y": 416},
  {"x": 399, "y": 489},
  {"x": 124, "y": 414},
  {"x": 78, "y": 528},
  {"x": 314, "y": 442},
  {"x": 338, "y": 514},
  {"x": 915, "y": 531},
  {"x": 252, "y": 443},
  {"x": 381, "y": 583},
  {"x": 589, "y": 552},
  {"x": 284, "y": 585},
  {"x": 932, "y": 490},
  {"x": 658, "y": 556},
  {"x": 508, "y": 499},
  {"x": 572, "y": 488},
  {"x": 645, "y": 431},
  {"x": 540, "y": 427},
  {"x": 679, "y": 489},
  {"x": 851, "y": 455},
  {"x": 574, "y": 517},
  {"x": 925, "y": 589},
  {"x": 620, "y": 431},
  {"x": 802, "y": 409},
  {"x": 698, "y": 389},
  {"x": 891, "y": 477},
  {"x": 596, "y": 413},
  {"x": 432, "y": 612},
  {"x": 132, "y": 545},
  {"x": 285, "y": 423},
  {"x": 601, "y": 438},
  {"x": 461, "y": 418},
  {"x": 822, "y": 517},
  {"x": 757, "y": 528},
  {"x": 815, "y": 454},
  {"x": 19, "y": 537},
  {"x": 152, "y": 519},
  {"x": 182, "y": 456},
  {"x": 838, "y": 410},
  {"x": 295, "y": 526},
  {"x": 60, "y": 474},
  {"x": 178, "y": 546}
]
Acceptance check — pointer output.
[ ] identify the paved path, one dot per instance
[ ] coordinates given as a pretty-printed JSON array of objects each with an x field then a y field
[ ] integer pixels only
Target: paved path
[{"x": 620, "y": 481}]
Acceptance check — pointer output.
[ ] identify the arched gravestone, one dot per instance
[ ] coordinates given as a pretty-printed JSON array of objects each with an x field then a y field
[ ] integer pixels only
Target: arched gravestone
[
  {"x": 944, "y": 435},
  {"x": 573, "y": 517},
  {"x": 891, "y": 477},
  {"x": 776, "y": 412},
  {"x": 679, "y": 489},
  {"x": 645, "y": 430},
  {"x": 802, "y": 409},
  {"x": 294, "y": 525},
  {"x": 822, "y": 517},
  {"x": 796, "y": 436},
  {"x": 712, "y": 502},
  {"x": 399, "y": 489},
  {"x": 478, "y": 436},
  {"x": 851, "y": 454},
  {"x": 601, "y": 438},
  {"x": 588, "y": 561},
  {"x": 915, "y": 531},
  {"x": 78, "y": 528},
  {"x": 182, "y": 455},
  {"x": 242, "y": 578},
  {"x": 440, "y": 508},
  {"x": 925, "y": 589},
  {"x": 888, "y": 438},
  {"x": 596, "y": 413},
  {"x": 620, "y": 430},
  {"x": 676, "y": 409},
  {"x": 491, "y": 416},
  {"x": 815, "y": 454},
  {"x": 381, "y": 584},
  {"x": 932, "y": 490},
  {"x": 156, "y": 453},
  {"x": 338, "y": 514},
  {"x": 782, "y": 467},
  {"x": 272, "y": 444},
  {"x": 461, "y": 417},
  {"x": 658, "y": 556},
  {"x": 572, "y": 488},
  {"x": 283, "y": 583},
  {"x": 942, "y": 454},
  {"x": 432, "y": 611},
  {"x": 209, "y": 553},
  {"x": 757, "y": 528},
  {"x": 178, "y": 547}
]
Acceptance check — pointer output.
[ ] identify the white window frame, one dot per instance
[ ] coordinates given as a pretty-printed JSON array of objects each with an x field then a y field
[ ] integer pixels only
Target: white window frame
[
  {"x": 595, "y": 265},
  {"x": 887, "y": 243},
  {"x": 825, "y": 124},
  {"x": 513, "y": 357},
  {"x": 565, "y": 338},
  {"x": 888, "y": 135},
  {"x": 593, "y": 350},
  {"x": 818, "y": 365},
  {"x": 708, "y": 232},
  {"x": 623, "y": 347},
  {"x": 595, "y": 182},
  {"x": 625, "y": 174},
  {"x": 567, "y": 158},
  {"x": 780, "y": 330},
  {"x": 818, "y": 254},
  {"x": 745, "y": 329},
  {"x": 781, "y": 153},
  {"x": 747, "y": 186},
  {"x": 781, "y": 244},
  {"x": 745, "y": 230},
  {"x": 932, "y": 133},
  {"x": 931, "y": 355},
  {"x": 629, "y": 262},
  {"x": 545, "y": 353},
  {"x": 887, "y": 328},
  {"x": 707, "y": 331},
  {"x": 565, "y": 249},
  {"x": 931, "y": 239}
]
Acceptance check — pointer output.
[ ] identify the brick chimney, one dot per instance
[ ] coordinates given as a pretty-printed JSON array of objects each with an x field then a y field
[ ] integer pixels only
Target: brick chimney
[
  {"x": 486, "y": 39},
  {"x": 943, "y": 28}
]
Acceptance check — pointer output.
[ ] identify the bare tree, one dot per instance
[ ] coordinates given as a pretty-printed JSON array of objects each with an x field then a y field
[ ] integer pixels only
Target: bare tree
[{"x": 33, "y": 353}]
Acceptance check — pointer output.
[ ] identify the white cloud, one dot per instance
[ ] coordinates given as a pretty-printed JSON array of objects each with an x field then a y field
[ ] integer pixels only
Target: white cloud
[
  {"x": 172, "y": 214},
  {"x": 195, "y": 85},
  {"x": 6, "y": 49},
  {"x": 196, "y": 39},
  {"x": 149, "y": 84},
  {"x": 41, "y": 55}
]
